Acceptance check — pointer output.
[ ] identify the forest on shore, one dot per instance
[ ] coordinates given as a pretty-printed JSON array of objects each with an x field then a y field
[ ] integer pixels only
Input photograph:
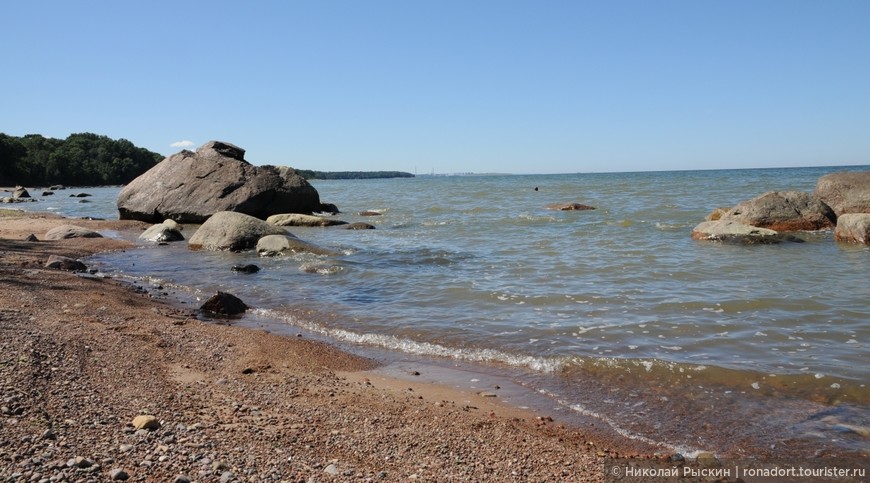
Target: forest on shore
[
  {"x": 87, "y": 159},
  {"x": 82, "y": 159}
]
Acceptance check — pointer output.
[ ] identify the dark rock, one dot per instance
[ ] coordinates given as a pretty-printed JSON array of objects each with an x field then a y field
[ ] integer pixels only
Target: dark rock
[
  {"x": 48, "y": 193},
  {"x": 57, "y": 187},
  {"x": 360, "y": 226},
  {"x": 79, "y": 195},
  {"x": 569, "y": 207},
  {"x": 783, "y": 211},
  {"x": 65, "y": 263},
  {"x": 228, "y": 230},
  {"x": 249, "y": 268},
  {"x": 223, "y": 303},
  {"x": 189, "y": 187},
  {"x": 31, "y": 238},
  {"x": 70, "y": 231},
  {"x": 853, "y": 228},
  {"x": 845, "y": 192},
  {"x": 328, "y": 208}
]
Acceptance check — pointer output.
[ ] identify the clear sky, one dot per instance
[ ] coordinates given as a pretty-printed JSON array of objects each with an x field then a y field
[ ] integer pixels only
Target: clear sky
[{"x": 451, "y": 86}]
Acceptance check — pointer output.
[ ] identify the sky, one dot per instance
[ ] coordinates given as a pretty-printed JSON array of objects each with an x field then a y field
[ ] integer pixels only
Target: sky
[{"x": 451, "y": 86}]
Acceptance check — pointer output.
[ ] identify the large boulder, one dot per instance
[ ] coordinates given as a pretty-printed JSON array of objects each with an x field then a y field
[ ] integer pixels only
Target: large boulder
[
  {"x": 273, "y": 245},
  {"x": 189, "y": 187},
  {"x": 228, "y": 230},
  {"x": 845, "y": 192},
  {"x": 784, "y": 211},
  {"x": 736, "y": 233},
  {"x": 853, "y": 227},
  {"x": 64, "y": 232},
  {"x": 298, "y": 219}
]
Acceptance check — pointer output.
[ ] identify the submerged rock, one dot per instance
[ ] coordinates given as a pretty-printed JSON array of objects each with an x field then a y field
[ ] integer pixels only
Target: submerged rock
[
  {"x": 223, "y": 303},
  {"x": 272, "y": 245},
  {"x": 190, "y": 187},
  {"x": 297, "y": 219},
  {"x": 569, "y": 207},
  {"x": 360, "y": 226},
  {"x": 733, "y": 232},
  {"x": 249, "y": 268}
]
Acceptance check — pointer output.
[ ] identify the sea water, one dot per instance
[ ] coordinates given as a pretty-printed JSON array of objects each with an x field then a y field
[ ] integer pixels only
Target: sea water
[{"x": 614, "y": 313}]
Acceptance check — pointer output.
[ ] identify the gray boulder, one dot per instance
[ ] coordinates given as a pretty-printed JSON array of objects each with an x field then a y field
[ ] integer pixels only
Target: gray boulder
[
  {"x": 228, "y": 230},
  {"x": 63, "y": 232},
  {"x": 737, "y": 233},
  {"x": 854, "y": 228},
  {"x": 783, "y": 211},
  {"x": 168, "y": 231},
  {"x": 845, "y": 192},
  {"x": 189, "y": 187},
  {"x": 297, "y": 219},
  {"x": 273, "y": 245}
]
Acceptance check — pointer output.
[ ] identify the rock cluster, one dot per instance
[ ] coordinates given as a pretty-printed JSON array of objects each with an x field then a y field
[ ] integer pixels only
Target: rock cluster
[{"x": 840, "y": 201}]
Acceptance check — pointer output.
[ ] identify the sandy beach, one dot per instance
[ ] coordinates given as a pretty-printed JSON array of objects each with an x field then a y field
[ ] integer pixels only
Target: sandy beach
[{"x": 82, "y": 356}]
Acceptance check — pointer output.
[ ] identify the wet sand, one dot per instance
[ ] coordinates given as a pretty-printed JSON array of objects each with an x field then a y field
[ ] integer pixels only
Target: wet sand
[{"x": 81, "y": 356}]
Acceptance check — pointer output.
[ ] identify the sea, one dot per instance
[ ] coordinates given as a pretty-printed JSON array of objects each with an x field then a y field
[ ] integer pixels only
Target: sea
[{"x": 612, "y": 318}]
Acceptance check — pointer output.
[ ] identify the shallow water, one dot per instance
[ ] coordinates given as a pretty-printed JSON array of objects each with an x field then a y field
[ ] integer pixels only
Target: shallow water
[{"x": 596, "y": 310}]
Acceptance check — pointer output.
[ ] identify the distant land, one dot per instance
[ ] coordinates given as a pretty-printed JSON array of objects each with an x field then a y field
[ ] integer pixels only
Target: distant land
[
  {"x": 82, "y": 159},
  {"x": 311, "y": 174}
]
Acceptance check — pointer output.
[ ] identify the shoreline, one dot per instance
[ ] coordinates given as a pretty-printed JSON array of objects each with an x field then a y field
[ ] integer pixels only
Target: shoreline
[{"x": 85, "y": 355}]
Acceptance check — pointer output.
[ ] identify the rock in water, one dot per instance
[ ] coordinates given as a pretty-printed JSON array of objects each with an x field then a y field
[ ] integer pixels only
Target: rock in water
[
  {"x": 854, "y": 228},
  {"x": 168, "y": 231},
  {"x": 845, "y": 192},
  {"x": 783, "y": 211},
  {"x": 223, "y": 303},
  {"x": 232, "y": 231},
  {"x": 569, "y": 207},
  {"x": 189, "y": 187},
  {"x": 249, "y": 268},
  {"x": 732, "y": 232}
]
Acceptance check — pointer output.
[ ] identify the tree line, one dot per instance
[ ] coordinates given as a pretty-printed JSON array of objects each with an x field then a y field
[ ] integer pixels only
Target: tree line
[
  {"x": 311, "y": 174},
  {"x": 82, "y": 159}
]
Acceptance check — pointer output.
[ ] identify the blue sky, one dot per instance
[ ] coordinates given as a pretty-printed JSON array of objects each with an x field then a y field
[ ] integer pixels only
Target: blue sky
[{"x": 451, "y": 86}]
